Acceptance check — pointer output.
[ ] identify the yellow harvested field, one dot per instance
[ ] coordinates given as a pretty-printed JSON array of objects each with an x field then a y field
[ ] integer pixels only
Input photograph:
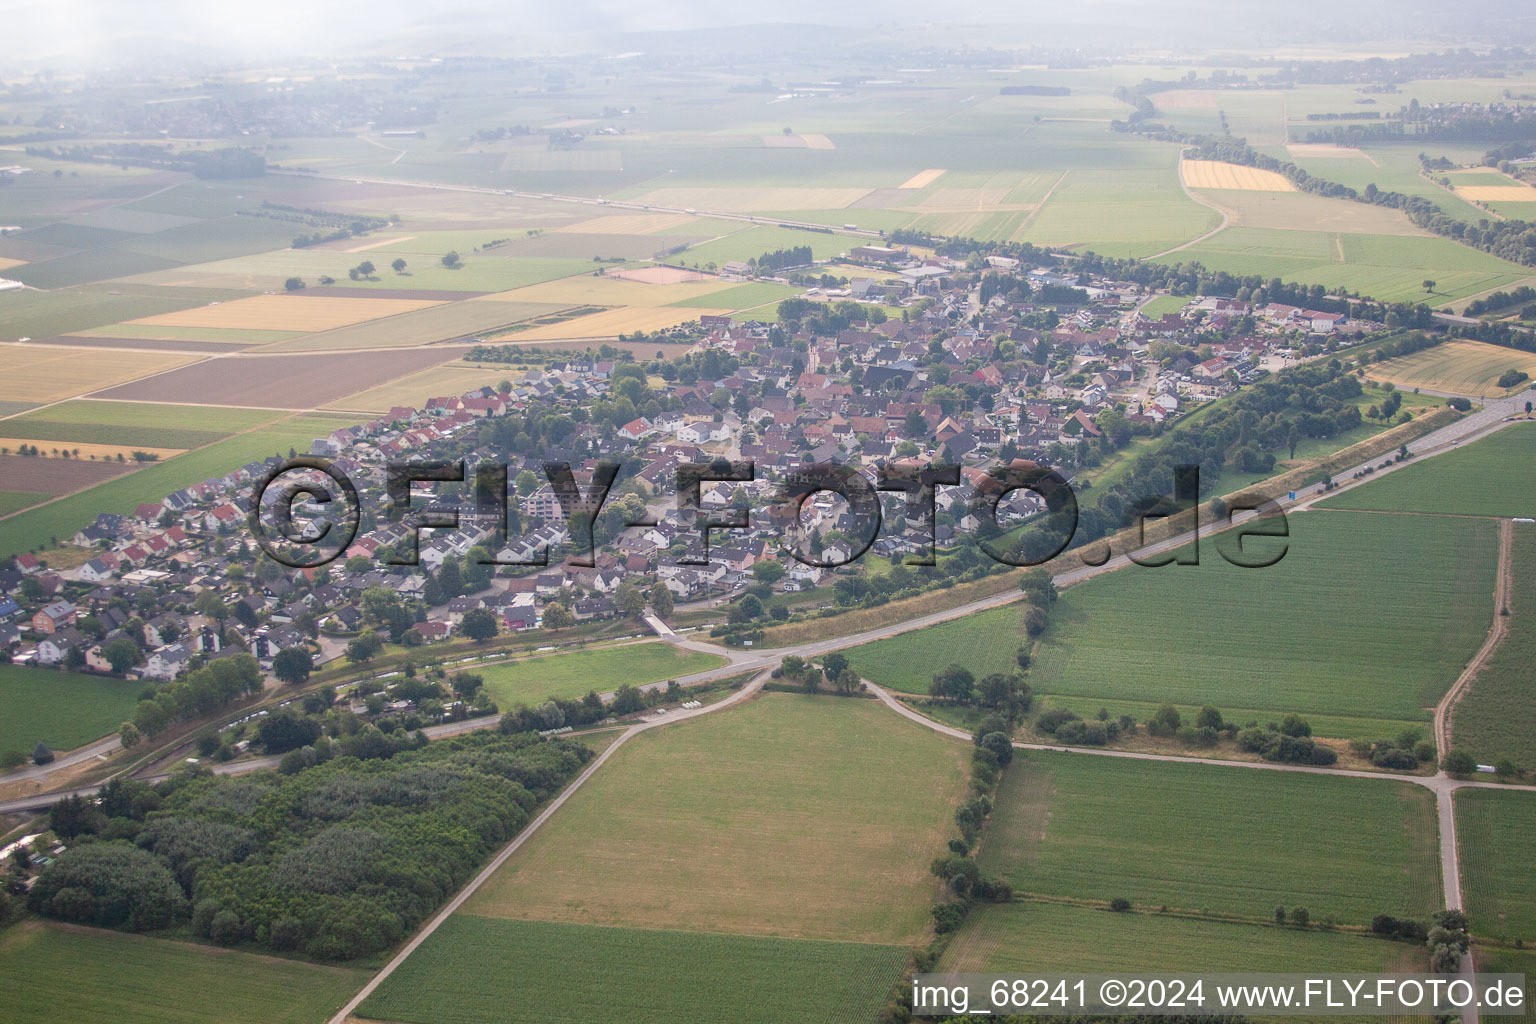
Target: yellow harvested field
[
  {"x": 1498, "y": 193},
  {"x": 1215, "y": 174},
  {"x": 83, "y": 450},
  {"x": 377, "y": 244},
  {"x": 287, "y": 313},
  {"x": 449, "y": 379},
  {"x": 7, "y": 264},
  {"x": 818, "y": 142},
  {"x": 748, "y": 199},
  {"x": 1325, "y": 150},
  {"x": 607, "y": 291},
  {"x": 47, "y": 373},
  {"x": 612, "y": 322},
  {"x": 631, "y": 224},
  {"x": 922, "y": 179},
  {"x": 1460, "y": 367}
]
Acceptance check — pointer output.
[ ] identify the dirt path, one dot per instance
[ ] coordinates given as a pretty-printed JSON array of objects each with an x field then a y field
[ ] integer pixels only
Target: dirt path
[
  {"x": 1226, "y": 217},
  {"x": 501, "y": 858},
  {"x": 1502, "y": 589}
]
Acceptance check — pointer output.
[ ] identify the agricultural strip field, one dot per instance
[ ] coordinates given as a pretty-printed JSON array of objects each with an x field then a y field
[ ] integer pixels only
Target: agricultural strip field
[
  {"x": 85, "y": 975},
  {"x": 1215, "y": 174},
  {"x": 1337, "y": 727},
  {"x": 1125, "y": 212},
  {"x": 129, "y": 423},
  {"x": 1366, "y": 615},
  {"x": 1031, "y": 937},
  {"x": 35, "y": 314},
  {"x": 453, "y": 379},
  {"x": 478, "y": 272},
  {"x": 15, "y": 501},
  {"x": 1460, "y": 367},
  {"x": 819, "y": 822},
  {"x": 612, "y": 322},
  {"x": 286, "y": 313},
  {"x": 1195, "y": 837},
  {"x": 1490, "y": 477},
  {"x": 446, "y": 321},
  {"x": 1387, "y": 268},
  {"x": 607, "y": 290},
  {"x": 567, "y": 676},
  {"x": 1496, "y": 837},
  {"x": 47, "y": 373},
  {"x": 1496, "y": 718},
  {"x": 63, "y": 709},
  {"x": 53, "y": 475},
  {"x": 558, "y": 972},
  {"x": 282, "y": 381},
  {"x": 34, "y": 528},
  {"x": 984, "y": 643}
]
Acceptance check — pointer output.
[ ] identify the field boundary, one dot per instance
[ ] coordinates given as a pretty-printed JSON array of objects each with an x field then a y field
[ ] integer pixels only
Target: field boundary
[{"x": 1503, "y": 589}]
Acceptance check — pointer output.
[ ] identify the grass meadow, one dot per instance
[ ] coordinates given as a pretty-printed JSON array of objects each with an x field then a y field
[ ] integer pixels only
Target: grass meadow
[
  {"x": 35, "y": 528},
  {"x": 1366, "y": 615},
  {"x": 536, "y": 972},
  {"x": 133, "y": 423},
  {"x": 1496, "y": 719},
  {"x": 1490, "y": 477},
  {"x": 1036, "y": 936},
  {"x": 792, "y": 816},
  {"x": 63, "y": 709},
  {"x": 603, "y": 669},
  {"x": 64, "y": 973},
  {"x": 1496, "y": 837},
  {"x": 1232, "y": 841}
]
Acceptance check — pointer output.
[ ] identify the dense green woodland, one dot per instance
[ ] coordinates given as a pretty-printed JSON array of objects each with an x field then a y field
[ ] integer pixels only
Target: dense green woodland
[{"x": 336, "y": 861}]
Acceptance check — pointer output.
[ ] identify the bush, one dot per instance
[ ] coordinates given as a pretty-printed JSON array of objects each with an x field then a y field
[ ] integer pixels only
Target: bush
[
  {"x": 1301, "y": 916},
  {"x": 1050, "y": 721},
  {"x": 948, "y": 916},
  {"x": 1120, "y": 904}
]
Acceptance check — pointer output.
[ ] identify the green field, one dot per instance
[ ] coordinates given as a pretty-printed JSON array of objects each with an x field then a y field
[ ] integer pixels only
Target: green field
[
  {"x": 63, "y": 709},
  {"x": 603, "y": 669},
  {"x": 1165, "y": 304},
  {"x": 1033, "y": 936},
  {"x": 1496, "y": 836},
  {"x": 984, "y": 642},
  {"x": 1366, "y": 615},
  {"x": 1496, "y": 718},
  {"x": 1490, "y": 477},
  {"x": 86, "y": 976},
  {"x": 1346, "y": 624},
  {"x": 547, "y": 972},
  {"x": 29, "y": 530},
  {"x": 1338, "y": 727},
  {"x": 1497, "y": 960},
  {"x": 134, "y": 423},
  {"x": 1389, "y": 268},
  {"x": 15, "y": 501},
  {"x": 1201, "y": 838},
  {"x": 792, "y": 816}
]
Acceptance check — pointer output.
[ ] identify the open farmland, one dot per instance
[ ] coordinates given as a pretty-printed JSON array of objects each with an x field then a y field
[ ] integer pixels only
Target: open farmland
[
  {"x": 448, "y": 321},
  {"x": 549, "y": 971},
  {"x": 1496, "y": 719},
  {"x": 533, "y": 680},
  {"x": 60, "y": 972},
  {"x": 35, "y": 527},
  {"x": 1459, "y": 367},
  {"x": 63, "y": 709},
  {"x": 1214, "y": 174},
  {"x": 294, "y": 381},
  {"x": 984, "y": 643},
  {"x": 1496, "y": 835},
  {"x": 819, "y": 824},
  {"x": 47, "y": 373},
  {"x": 52, "y": 474},
  {"x": 453, "y": 379},
  {"x": 129, "y": 423},
  {"x": 1336, "y": 727},
  {"x": 608, "y": 290},
  {"x": 613, "y": 322},
  {"x": 1196, "y": 837},
  {"x": 1034, "y": 936},
  {"x": 1365, "y": 615},
  {"x": 286, "y": 313},
  {"x": 1490, "y": 477}
]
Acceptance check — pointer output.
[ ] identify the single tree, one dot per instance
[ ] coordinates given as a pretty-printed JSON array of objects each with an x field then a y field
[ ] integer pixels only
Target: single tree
[
  {"x": 294, "y": 284},
  {"x": 293, "y": 665},
  {"x": 398, "y": 265},
  {"x": 479, "y": 624}
]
